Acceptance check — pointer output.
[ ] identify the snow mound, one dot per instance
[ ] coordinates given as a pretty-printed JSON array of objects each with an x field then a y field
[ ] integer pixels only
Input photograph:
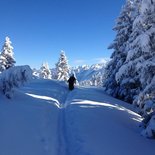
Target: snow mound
[{"x": 14, "y": 77}]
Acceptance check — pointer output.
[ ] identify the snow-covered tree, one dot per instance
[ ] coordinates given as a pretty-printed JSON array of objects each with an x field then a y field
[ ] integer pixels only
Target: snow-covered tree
[
  {"x": 146, "y": 40},
  {"x": 6, "y": 57},
  {"x": 134, "y": 78},
  {"x": 97, "y": 79},
  {"x": 123, "y": 29},
  {"x": 53, "y": 73},
  {"x": 86, "y": 83},
  {"x": 35, "y": 73},
  {"x": 45, "y": 72},
  {"x": 14, "y": 77},
  {"x": 138, "y": 70},
  {"x": 62, "y": 67},
  {"x": 149, "y": 131}
]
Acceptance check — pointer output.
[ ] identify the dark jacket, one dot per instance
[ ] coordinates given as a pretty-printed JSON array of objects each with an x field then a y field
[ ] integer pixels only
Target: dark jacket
[{"x": 71, "y": 81}]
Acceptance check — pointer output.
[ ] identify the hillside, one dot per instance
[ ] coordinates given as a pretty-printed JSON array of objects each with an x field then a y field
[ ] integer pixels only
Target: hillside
[
  {"x": 86, "y": 72},
  {"x": 44, "y": 118}
]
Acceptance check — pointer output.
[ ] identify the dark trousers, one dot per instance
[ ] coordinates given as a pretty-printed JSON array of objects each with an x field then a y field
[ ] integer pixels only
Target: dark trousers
[{"x": 71, "y": 86}]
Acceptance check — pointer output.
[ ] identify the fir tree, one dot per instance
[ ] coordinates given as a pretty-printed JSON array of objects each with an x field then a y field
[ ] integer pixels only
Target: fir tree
[
  {"x": 62, "y": 67},
  {"x": 124, "y": 30},
  {"x": 133, "y": 79},
  {"x": 6, "y": 57},
  {"x": 138, "y": 70},
  {"x": 146, "y": 63},
  {"x": 45, "y": 72}
]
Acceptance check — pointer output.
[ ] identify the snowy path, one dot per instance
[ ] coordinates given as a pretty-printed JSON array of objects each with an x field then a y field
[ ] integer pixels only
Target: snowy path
[
  {"x": 96, "y": 124},
  {"x": 44, "y": 118}
]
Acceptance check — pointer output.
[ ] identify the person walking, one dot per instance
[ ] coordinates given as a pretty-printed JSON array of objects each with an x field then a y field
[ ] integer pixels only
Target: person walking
[{"x": 71, "y": 81}]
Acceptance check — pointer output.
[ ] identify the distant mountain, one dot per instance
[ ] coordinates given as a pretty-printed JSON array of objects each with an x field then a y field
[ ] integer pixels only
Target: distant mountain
[
  {"x": 90, "y": 75},
  {"x": 85, "y": 74}
]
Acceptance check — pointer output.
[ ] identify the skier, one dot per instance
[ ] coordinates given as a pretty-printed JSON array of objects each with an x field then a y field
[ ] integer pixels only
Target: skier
[{"x": 71, "y": 81}]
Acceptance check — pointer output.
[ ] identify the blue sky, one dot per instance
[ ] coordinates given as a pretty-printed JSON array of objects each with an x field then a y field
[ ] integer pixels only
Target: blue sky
[{"x": 40, "y": 29}]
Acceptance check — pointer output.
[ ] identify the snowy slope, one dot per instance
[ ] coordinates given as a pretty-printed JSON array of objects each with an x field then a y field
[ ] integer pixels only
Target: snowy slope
[{"x": 44, "y": 118}]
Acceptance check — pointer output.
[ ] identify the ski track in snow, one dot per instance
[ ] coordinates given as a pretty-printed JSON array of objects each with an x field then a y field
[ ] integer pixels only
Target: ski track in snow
[
  {"x": 70, "y": 141},
  {"x": 66, "y": 130},
  {"x": 63, "y": 136},
  {"x": 70, "y": 122}
]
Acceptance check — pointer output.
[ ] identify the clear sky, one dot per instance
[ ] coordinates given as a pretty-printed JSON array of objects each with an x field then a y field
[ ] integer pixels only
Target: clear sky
[{"x": 40, "y": 29}]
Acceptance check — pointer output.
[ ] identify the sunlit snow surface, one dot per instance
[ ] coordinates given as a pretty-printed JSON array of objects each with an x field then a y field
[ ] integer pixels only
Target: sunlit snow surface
[
  {"x": 45, "y": 98},
  {"x": 45, "y": 118}
]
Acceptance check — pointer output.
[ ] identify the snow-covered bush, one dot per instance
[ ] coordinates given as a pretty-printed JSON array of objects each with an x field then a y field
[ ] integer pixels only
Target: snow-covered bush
[
  {"x": 62, "y": 67},
  {"x": 6, "y": 57},
  {"x": 14, "y": 77},
  {"x": 149, "y": 131},
  {"x": 35, "y": 74}
]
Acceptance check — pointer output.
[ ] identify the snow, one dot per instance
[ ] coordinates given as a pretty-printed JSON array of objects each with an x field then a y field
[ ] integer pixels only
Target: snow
[
  {"x": 62, "y": 67},
  {"x": 147, "y": 4},
  {"x": 14, "y": 77},
  {"x": 44, "y": 117},
  {"x": 6, "y": 56},
  {"x": 90, "y": 75},
  {"x": 148, "y": 132},
  {"x": 86, "y": 75}
]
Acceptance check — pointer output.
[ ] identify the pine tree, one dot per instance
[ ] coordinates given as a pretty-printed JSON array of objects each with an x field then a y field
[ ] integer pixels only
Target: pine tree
[
  {"x": 45, "y": 72},
  {"x": 97, "y": 79},
  {"x": 124, "y": 29},
  {"x": 6, "y": 57},
  {"x": 134, "y": 79},
  {"x": 146, "y": 63},
  {"x": 62, "y": 67},
  {"x": 138, "y": 70},
  {"x": 146, "y": 66}
]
